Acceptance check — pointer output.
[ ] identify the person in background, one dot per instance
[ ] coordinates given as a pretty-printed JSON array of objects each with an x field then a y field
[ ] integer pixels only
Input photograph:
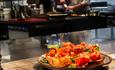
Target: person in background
[
  {"x": 77, "y": 6},
  {"x": 47, "y": 5},
  {"x": 59, "y": 5}
]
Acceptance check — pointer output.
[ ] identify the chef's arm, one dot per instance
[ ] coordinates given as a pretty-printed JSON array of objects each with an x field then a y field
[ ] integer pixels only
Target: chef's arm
[
  {"x": 83, "y": 3},
  {"x": 62, "y": 1}
]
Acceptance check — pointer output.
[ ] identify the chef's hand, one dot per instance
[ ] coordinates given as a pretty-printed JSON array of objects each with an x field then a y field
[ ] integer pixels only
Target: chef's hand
[
  {"x": 70, "y": 7},
  {"x": 62, "y": 1},
  {"x": 84, "y": 2}
]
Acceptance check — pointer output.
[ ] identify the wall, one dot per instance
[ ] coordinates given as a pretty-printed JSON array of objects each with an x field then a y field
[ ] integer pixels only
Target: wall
[
  {"x": 97, "y": 0},
  {"x": 112, "y": 2},
  {"x": 1, "y": 4},
  {"x": 21, "y": 2}
]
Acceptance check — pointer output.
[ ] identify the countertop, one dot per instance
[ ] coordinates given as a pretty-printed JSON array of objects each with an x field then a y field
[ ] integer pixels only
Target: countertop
[
  {"x": 39, "y": 26},
  {"x": 24, "y": 64},
  {"x": 28, "y": 64}
]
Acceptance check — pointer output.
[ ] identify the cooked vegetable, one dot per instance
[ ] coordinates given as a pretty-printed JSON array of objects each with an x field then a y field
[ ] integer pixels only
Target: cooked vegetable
[
  {"x": 44, "y": 60},
  {"x": 72, "y": 55}
]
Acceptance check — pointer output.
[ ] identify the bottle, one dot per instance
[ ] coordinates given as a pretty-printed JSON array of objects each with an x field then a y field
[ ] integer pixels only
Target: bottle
[
  {"x": 41, "y": 9},
  {"x": 13, "y": 12}
]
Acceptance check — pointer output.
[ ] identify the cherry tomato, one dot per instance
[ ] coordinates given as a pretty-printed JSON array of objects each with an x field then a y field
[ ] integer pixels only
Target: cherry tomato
[
  {"x": 52, "y": 52},
  {"x": 62, "y": 54},
  {"x": 82, "y": 61},
  {"x": 77, "y": 50},
  {"x": 95, "y": 56},
  {"x": 82, "y": 43}
]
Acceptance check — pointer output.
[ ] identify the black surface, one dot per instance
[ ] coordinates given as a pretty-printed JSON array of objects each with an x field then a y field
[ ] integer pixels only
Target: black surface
[
  {"x": 98, "y": 4},
  {"x": 54, "y": 26},
  {"x": 62, "y": 26},
  {"x": 107, "y": 13},
  {"x": 3, "y": 32}
]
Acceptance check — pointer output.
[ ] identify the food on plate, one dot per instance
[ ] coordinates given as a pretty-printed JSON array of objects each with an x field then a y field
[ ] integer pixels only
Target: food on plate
[{"x": 73, "y": 55}]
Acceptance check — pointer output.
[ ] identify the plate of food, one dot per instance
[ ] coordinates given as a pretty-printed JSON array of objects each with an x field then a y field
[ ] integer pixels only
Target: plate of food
[{"x": 71, "y": 56}]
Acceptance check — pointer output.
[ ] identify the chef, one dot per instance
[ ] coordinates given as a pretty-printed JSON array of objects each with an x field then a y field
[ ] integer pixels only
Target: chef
[
  {"x": 77, "y": 6},
  {"x": 46, "y": 4}
]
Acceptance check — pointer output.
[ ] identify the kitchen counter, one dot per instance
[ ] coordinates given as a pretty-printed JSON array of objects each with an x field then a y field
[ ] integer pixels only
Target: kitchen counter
[
  {"x": 41, "y": 26},
  {"x": 28, "y": 64},
  {"x": 24, "y": 64}
]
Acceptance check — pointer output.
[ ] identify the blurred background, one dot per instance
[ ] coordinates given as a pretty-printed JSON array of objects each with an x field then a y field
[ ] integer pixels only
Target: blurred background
[{"x": 17, "y": 49}]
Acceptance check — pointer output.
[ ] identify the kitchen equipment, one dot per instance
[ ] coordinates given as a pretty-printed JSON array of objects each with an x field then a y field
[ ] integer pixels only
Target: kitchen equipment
[
  {"x": 6, "y": 13},
  {"x": 57, "y": 16}
]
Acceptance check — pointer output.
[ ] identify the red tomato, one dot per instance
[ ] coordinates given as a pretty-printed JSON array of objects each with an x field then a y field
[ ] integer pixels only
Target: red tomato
[
  {"x": 82, "y": 61},
  {"x": 66, "y": 44},
  {"x": 95, "y": 56},
  {"x": 72, "y": 54},
  {"x": 68, "y": 50},
  {"x": 82, "y": 43},
  {"x": 52, "y": 53},
  {"x": 77, "y": 50},
  {"x": 62, "y": 54}
]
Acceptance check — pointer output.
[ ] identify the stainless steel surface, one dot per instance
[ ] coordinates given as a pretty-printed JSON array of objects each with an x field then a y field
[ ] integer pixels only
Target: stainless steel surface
[{"x": 13, "y": 34}]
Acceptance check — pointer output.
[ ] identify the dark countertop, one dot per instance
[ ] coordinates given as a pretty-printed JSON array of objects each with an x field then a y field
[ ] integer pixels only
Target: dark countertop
[{"x": 43, "y": 26}]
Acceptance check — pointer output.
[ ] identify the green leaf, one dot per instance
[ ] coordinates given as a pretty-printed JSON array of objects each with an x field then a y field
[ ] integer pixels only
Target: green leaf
[
  {"x": 44, "y": 60},
  {"x": 88, "y": 50},
  {"x": 97, "y": 48},
  {"x": 72, "y": 59},
  {"x": 53, "y": 46},
  {"x": 72, "y": 66}
]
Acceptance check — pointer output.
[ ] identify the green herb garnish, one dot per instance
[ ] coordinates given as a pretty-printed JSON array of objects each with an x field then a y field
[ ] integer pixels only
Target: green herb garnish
[
  {"x": 97, "y": 48},
  {"x": 44, "y": 60},
  {"x": 88, "y": 50},
  {"x": 72, "y": 59}
]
